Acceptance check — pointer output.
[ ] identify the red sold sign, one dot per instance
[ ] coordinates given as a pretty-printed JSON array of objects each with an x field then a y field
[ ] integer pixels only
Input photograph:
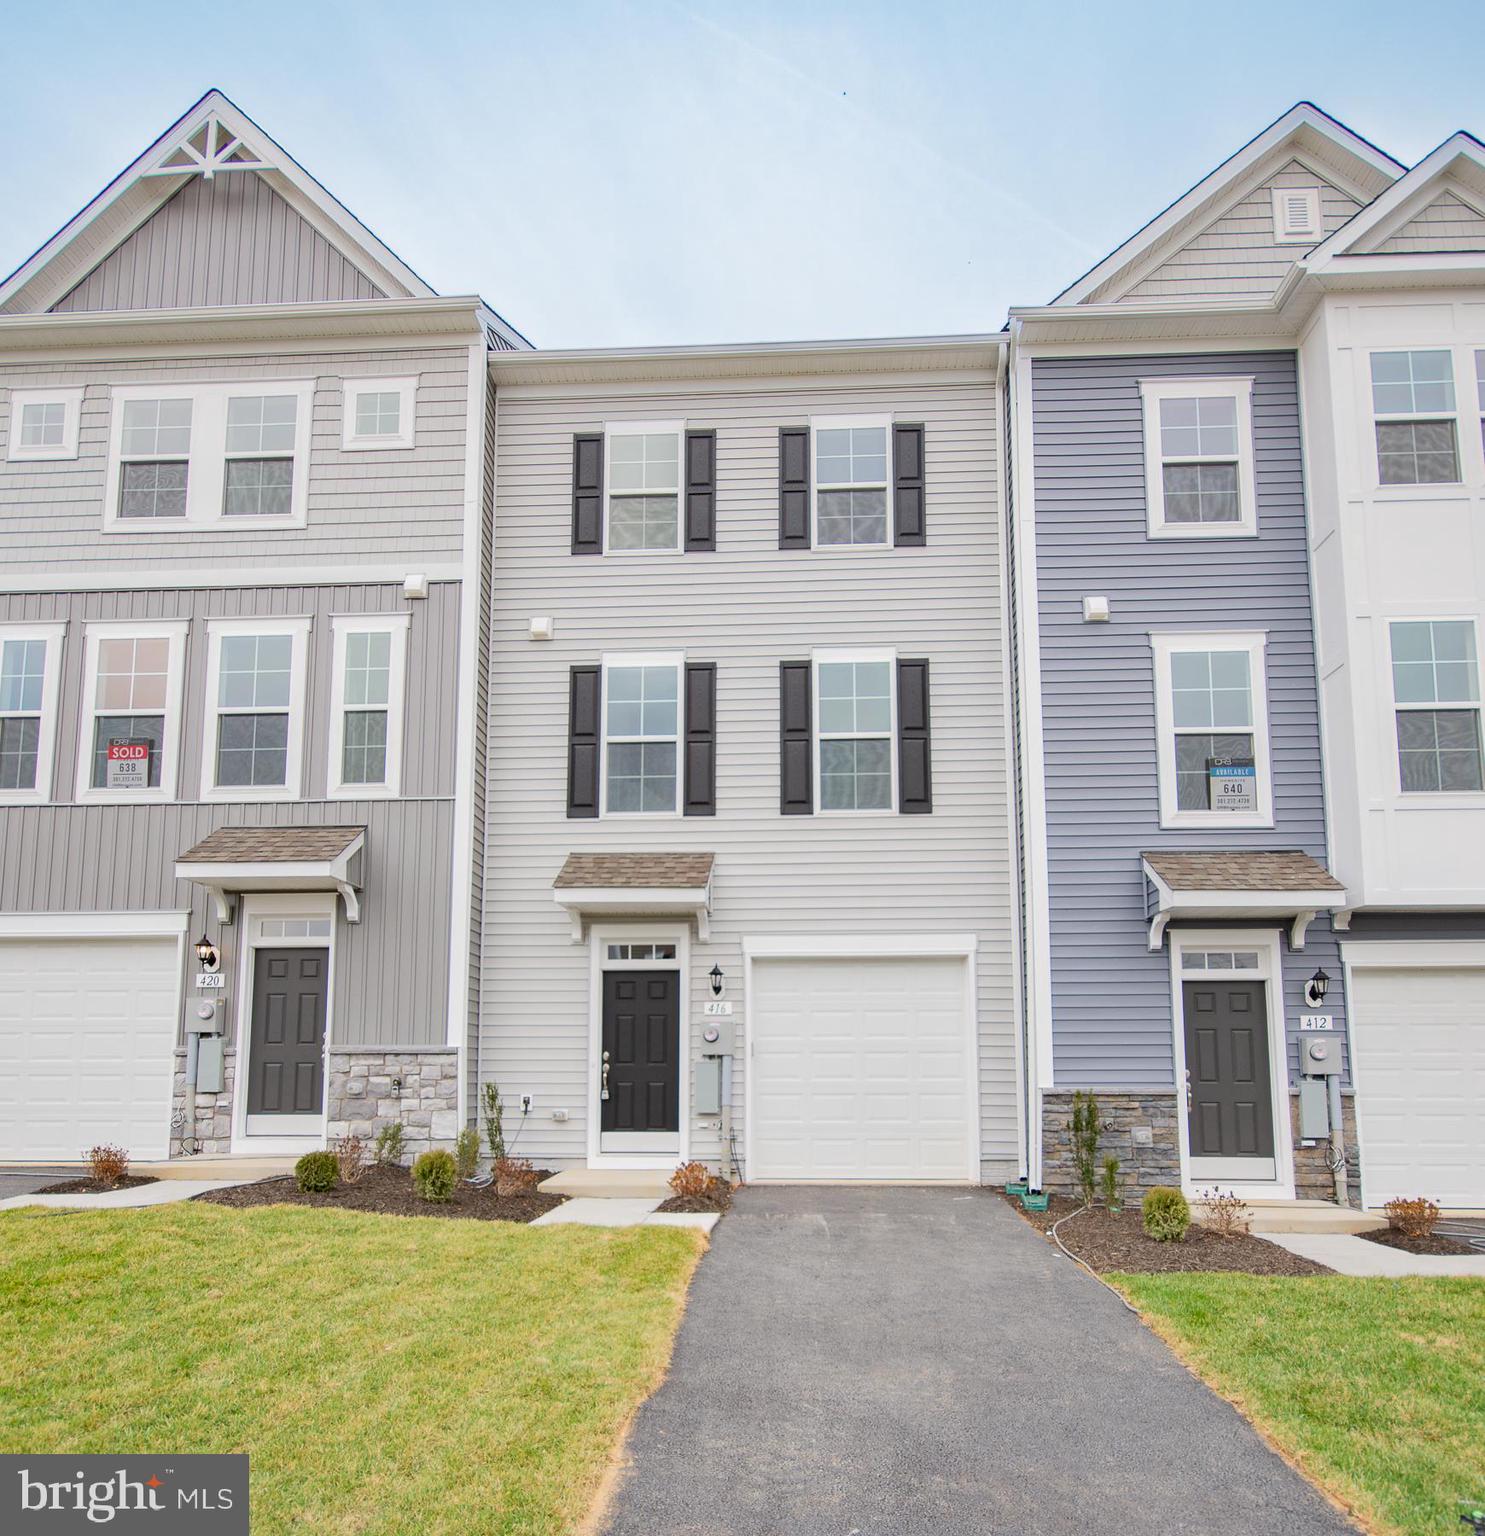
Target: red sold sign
[
  {"x": 128, "y": 751},
  {"x": 128, "y": 764}
]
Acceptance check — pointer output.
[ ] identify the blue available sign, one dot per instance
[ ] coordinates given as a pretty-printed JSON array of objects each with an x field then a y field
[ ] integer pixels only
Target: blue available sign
[{"x": 1232, "y": 784}]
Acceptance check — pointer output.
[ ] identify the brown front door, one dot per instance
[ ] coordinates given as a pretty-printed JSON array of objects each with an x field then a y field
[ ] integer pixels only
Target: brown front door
[
  {"x": 286, "y": 1052},
  {"x": 1229, "y": 1094}
]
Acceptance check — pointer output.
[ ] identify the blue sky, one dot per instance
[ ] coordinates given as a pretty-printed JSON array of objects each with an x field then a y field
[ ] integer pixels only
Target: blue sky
[{"x": 628, "y": 172}]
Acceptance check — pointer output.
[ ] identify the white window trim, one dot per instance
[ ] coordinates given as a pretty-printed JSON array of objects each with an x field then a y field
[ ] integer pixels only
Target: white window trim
[
  {"x": 372, "y": 442},
  {"x": 71, "y": 399},
  {"x": 173, "y": 630},
  {"x": 1240, "y": 390},
  {"x": 46, "y": 736},
  {"x": 826, "y": 656},
  {"x": 342, "y": 626},
  {"x": 299, "y": 629},
  {"x": 829, "y": 423},
  {"x": 608, "y": 661},
  {"x": 1285, "y": 233},
  {"x": 1466, "y": 444},
  {"x": 1254, "y": 643},
  {"x": 613, "y": 429},
  {"x": 207, "y": 459},
  {"x": 1430, "y": 798},
  {"x": 1271, "y": 972}
]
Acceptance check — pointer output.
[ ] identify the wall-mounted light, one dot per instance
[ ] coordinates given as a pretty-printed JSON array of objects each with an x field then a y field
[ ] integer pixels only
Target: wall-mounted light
[
  {"x": 1316, "y": 988},
  {"x": 206, "y": 953},
  {"x": 716, "y": 979}
]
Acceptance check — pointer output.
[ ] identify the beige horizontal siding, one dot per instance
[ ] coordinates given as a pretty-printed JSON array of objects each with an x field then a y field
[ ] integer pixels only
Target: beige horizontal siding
[
  {"x": 746, "y": 607},
  {"x": 1446, "y": 224},
  {"x": 392, "y": 504}
]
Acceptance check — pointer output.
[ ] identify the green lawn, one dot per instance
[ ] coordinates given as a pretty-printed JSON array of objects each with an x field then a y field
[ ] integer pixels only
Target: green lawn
[
  {"x": 385, "y": 1374},
  {"x": 1375, "y": 1387}
]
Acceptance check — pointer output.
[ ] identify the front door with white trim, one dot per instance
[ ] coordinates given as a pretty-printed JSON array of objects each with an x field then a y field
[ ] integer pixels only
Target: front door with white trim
[
  {"x": 1229, "y": 1093},
  {"x": 286, "y": 1051},
  {"x": 639, "y": 1063}
]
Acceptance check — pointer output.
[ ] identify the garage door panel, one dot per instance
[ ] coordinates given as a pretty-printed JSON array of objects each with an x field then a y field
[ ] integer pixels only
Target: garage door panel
[
  {"x": 87, "y": 1045},
  {"x": 1419, "y": 1040},
  {"x": 860, "y": 1069}
]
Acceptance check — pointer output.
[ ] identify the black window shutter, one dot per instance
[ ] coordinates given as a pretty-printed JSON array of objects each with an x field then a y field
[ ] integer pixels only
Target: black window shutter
[
  {"x": 908, "y": 526},
  {"x": 587, "y": 495},
  {"x": 701, "y": 490},
  {"x": 914, "y": 769},
  {"x": 796, "y": 772},
  {"x": 701, "y": 738},
  {"x": 585, "y": 703},
  {"x": 794, "y": 488}
]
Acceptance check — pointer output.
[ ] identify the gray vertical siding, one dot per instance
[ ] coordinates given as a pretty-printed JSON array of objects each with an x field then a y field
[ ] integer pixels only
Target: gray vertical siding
[
  {"x": 392, "y": 968},
  {"x": 1111, "y": 1002},
  {"x": 230, "y": 240}
]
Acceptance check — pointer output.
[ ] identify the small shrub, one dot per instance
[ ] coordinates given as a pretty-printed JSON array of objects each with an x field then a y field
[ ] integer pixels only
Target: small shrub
[
  {"x": 467, "y": 1152},
  {"x": 1227, "y": 1216},
  {"x": 350, "y": 1158},
  {"x": 1166, "y": 1215},
  {"x": 690, "y": 1181},
  {"x": 108, "y": 1167},
  {"x": 1110, "y": 1182},
  {"x": 391, "y": 1142},
  {"x": 1086, "y": 1126},
  {"x": 434, "y": 1176},
  {"x": 494, "y": 1120},
  {"x": 1413, "y": 1218},
  {"x": 317, "y": 1172},
  {"x": 515, "y": 1176}
]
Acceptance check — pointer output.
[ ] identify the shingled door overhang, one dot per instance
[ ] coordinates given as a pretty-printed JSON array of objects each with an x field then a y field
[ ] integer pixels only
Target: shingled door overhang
[
  {"x": 235, "y": 859},
  {"x": 1288, "y": 887},
  {"x": 635, "y": 885}
]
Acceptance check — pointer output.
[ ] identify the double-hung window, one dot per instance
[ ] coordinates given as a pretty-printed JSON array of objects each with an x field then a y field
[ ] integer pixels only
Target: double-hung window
[
  {"x": 130, "y": 745},
  {"x": 853, "y": 471},
  {"x": 30, "y": 665},
  {"x": 253, "y": 745},
  {"x": 643, "y": 464},
  {"x": 44, "y": 423},
  {"x": 1212, "y": 722},
  {"x": 641, "y": 734},
  {"x": 378, "y": 414},
  {"x": 1436, "y": 698},
  {"x": 1414, "y": 407},
  {"x": 366, "y": 705},
  {"x": 856, "y": 729},
  {"x": 208, "y": 455},
  {"x": 1199, "y": 457}
]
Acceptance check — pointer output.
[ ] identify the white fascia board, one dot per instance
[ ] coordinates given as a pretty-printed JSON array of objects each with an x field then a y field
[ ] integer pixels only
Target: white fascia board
[
  {"x": 865, "y": 946},
  {"x": 1393, "y": 203},
  {"x": 168, "y": 579},
  {"x": 1406, "y": 954},
  {"x": 268, "y": 875},
  {"x": 1210, "y": 189},
  {"x": 625, "y": 898},
  {"x": 92, "y": 925}
]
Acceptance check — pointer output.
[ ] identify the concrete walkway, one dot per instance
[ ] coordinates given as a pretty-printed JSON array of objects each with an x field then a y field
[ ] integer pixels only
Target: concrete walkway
[
  {"x": 593, "y": 1211},
  {"x": 1356, "y": 1256},
  {"x": 163, "y": 1192},
  {"x": 890, "y": 1361}
]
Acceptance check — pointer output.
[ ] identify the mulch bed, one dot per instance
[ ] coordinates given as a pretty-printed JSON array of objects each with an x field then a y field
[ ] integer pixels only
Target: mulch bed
[
  {"x": 93, "y": 1187},
  {"x": 717, "y": 1199},
  {"x": 390, "y": 1192},
  {"x": 1104, "y": 1243},
  {"x": 1435, "y": 1242}
]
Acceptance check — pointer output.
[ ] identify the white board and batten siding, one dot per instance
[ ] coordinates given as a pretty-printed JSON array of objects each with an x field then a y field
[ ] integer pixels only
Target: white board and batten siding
[
  {"x": 747, "y": 607},
  {"x": 393, "y": 505}
]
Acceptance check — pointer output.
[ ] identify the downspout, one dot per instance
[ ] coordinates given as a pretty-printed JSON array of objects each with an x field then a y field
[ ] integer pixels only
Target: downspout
[
  {"x": 1337, "y": 1140},
  {"x": 188, "y": 1147}
]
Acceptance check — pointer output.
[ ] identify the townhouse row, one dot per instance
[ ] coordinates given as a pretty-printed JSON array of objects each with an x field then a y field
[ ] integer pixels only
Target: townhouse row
[{"x": 819, "y": 759}]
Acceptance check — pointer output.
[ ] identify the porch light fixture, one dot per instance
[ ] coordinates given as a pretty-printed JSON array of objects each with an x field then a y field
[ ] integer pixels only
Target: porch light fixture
[
  {"x": 206, "y": 953},
  {"x": 1316, "y": 988},
  {"x": 716, "y": 979}
]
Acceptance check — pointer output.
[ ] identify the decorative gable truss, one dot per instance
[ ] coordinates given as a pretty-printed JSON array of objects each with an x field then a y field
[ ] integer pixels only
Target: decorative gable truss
[{"x": 211, "y": 148}]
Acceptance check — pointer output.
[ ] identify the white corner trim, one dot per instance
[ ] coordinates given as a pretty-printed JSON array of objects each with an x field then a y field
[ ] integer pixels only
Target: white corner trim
[
  {"x": 406, "y": 390},
  {"x": 93, "y": 925},
  {"x": 71, "y": 402}
]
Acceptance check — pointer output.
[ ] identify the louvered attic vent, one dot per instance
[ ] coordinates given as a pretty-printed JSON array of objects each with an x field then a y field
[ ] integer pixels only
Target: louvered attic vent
[{"x": 1297, "y": 214}]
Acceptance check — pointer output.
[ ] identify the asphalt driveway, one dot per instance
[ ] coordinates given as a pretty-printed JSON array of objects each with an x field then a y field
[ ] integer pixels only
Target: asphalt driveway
[
  {"x": 883, "y": 1362},
  {"x": 22, "y": 1179}
]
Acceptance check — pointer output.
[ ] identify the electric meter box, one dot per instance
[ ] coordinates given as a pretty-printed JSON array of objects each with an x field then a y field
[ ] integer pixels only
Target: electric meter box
[{"x": 1319, "y": 1056}]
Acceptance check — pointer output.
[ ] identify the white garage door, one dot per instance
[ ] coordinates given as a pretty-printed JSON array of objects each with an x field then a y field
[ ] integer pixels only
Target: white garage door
[
  {"x": 861, "y": 1069},
  {"x": 1419, "y": 1038},
  {"x": 87, "y": 1040}
]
